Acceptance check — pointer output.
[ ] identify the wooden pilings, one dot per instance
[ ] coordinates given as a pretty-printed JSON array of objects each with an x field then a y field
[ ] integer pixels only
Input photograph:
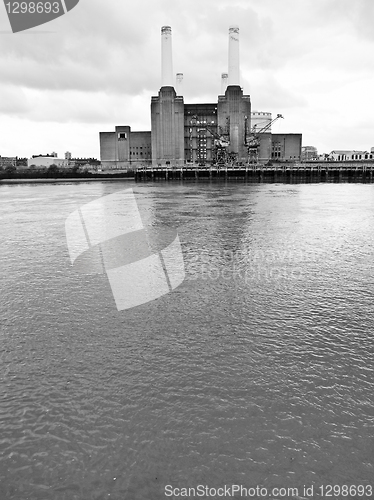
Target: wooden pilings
[{"x": 319, "y": 172}]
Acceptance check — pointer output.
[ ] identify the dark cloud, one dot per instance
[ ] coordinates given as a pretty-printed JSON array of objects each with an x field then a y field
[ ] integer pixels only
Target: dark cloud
[{"x": 116, "y": 48}]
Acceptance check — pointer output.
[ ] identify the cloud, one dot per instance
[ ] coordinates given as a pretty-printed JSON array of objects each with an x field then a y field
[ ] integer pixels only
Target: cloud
[
  {"x": 100, "y": 64},
  {"x": 13, "y": 101}
]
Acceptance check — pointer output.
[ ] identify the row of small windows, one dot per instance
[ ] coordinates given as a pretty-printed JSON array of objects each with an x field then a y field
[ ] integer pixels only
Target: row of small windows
[
  {"x": 367, "y": 156},
  {"x": 359, "y": 157}
]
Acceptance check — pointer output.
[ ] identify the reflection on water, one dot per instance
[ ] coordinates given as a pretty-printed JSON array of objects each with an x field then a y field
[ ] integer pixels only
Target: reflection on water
[{"x": 257, "y": 370}]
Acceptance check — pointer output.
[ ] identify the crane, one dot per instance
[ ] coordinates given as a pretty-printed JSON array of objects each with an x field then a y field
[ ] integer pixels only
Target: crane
[
  {"x": 221, "y": 142},
  {"x": 252, "y": 141}
]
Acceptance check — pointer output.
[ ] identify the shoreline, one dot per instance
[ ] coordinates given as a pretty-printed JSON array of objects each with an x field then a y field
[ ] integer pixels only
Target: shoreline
[{"x": 57, "y": 180}]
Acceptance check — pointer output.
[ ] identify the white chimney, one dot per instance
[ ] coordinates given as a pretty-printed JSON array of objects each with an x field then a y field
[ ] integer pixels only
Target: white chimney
[
  {"x": 234, "y": 77},
  {"x": 224, "y": 78},
  {"x": 167, "y": 79},
  {"x": 179, "y": 85}
]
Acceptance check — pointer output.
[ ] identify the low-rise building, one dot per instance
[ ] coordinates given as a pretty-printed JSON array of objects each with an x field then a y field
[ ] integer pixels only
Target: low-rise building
[
  {"x": 47, "y": 161},
  {"x": 350, "y": 155},
  {"x": 8, "y": 161},
  {"x": 125, "y": 149},
  {"x": 309, "y": 153}
]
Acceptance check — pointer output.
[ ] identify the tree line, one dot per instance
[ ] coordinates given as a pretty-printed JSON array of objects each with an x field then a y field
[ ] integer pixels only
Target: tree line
[{"x": 54, "y": 172}]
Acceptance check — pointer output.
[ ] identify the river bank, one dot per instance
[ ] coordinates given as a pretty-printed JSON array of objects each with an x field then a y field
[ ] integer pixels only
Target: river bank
[{"x": 61, "y": 180}]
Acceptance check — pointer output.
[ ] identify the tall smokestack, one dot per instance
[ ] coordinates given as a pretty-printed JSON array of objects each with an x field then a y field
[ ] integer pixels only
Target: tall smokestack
[
  {"x": 167, "y": 79},
  {"x": 179, "y": 85},
  {"x": 234, "y": 72},
  {"x": 224, "y": 78}
]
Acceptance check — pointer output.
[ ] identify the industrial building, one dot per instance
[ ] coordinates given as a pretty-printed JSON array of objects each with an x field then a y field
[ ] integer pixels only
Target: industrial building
[{"x": 223, "y": 132}]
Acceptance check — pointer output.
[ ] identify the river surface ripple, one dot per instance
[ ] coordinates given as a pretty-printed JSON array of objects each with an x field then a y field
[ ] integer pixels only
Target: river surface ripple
[{"x": 257, "y": 370}]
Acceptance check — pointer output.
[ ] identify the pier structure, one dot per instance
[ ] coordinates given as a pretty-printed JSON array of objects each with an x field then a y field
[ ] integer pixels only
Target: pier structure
[{"x": 312, "y": 172}]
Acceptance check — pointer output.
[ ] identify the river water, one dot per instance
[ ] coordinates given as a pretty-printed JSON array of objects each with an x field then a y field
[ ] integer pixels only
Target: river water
[{"x": 256, "y": 371}]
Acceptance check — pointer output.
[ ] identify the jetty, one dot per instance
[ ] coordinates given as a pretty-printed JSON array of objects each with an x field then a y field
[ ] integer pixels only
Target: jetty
[{"x": 313, "y": 171}]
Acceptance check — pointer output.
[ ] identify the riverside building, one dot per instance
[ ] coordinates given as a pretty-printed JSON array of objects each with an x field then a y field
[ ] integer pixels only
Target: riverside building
[{"x": 197, "y": 134}]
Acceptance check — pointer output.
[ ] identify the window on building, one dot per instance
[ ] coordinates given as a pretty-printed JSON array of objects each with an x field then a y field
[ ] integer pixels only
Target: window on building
[{"x": 122, "y": 136}]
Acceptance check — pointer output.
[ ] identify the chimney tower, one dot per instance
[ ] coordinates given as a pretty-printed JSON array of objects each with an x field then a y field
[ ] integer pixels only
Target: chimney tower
[
  {"x": 167, "y": 79},
  {"x": 167, "y": 112},
  {"x": 179, "y": 84},
  {"x": 224, "y": 79},
  {"x": 234, "y": 72}
]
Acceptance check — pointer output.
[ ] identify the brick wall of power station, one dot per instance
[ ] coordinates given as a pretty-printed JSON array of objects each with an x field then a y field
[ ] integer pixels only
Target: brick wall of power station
[
  {"x": 167, "y": 123},
  {"x": 286, "y": 146},
  {"x": 234, "y": 112},
  {"x": 184, "y": 133}
]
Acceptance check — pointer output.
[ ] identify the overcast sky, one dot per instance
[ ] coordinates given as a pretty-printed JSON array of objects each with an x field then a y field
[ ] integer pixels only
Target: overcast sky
[{"x": 99, "y": 65}]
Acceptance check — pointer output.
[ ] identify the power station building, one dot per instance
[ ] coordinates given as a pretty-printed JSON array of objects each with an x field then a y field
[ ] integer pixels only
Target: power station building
[{"x": 197, "y": 134}]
